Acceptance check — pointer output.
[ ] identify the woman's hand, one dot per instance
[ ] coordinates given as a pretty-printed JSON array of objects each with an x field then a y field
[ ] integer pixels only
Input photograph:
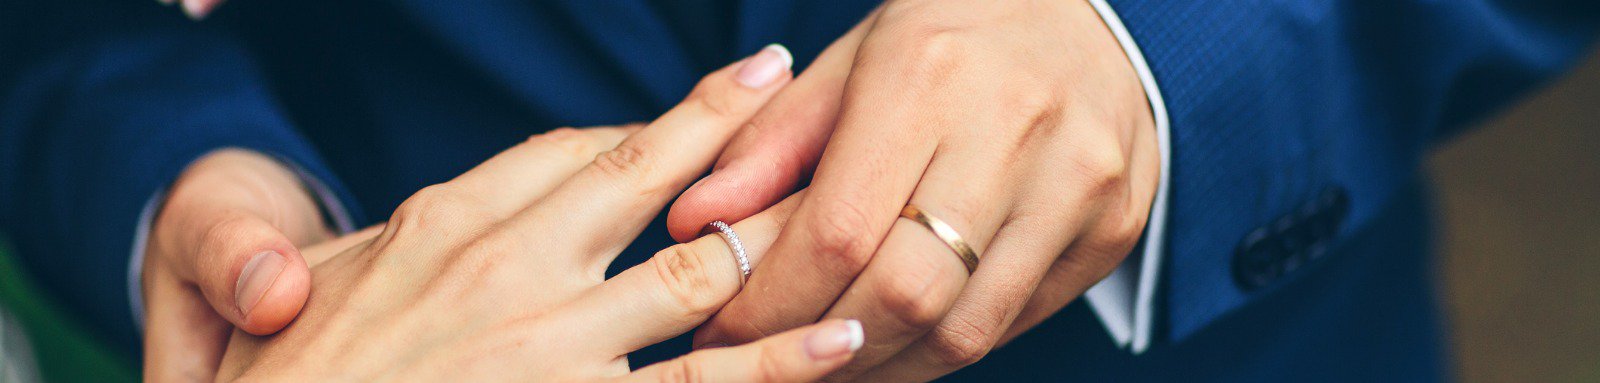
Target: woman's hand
[
  {"x": 1021, "y": 124},
  {"x": 499, "y": 273}
]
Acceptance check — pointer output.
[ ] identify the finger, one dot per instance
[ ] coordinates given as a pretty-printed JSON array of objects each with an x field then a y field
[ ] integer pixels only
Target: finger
[
  {"x": 906, "y": 290},
  {"x": 608, "y": 202},
  {"x": 230, "y": 227},
  {"x": 911, "y": 283},
  {"x": 1023, "y": 279},
  {"x": 516, "y": 177},
  {"x": 880, "y": 149},
  {"x": 1066, "y": 279},
  {"x": 449, "y": 214},
  {"x": 675, "y": 290},
  {"x": 802, "y": 355},
  {"x": 780, "y": 146},
  {"x": 250, "y": 273},
  {"x": 1012, "y": 267},
  {"x": 184, "y": 337}
]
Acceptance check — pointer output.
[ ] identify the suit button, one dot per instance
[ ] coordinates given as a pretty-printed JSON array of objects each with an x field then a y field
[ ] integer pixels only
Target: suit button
[
  {"x": 1256, "y": 263},
  {"x": 1291, "y": 231},
  {"x": 1291, "y": 241}
]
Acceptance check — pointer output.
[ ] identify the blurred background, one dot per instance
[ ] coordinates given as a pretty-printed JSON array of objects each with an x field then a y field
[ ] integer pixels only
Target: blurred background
[
  {"x": 1519, "y": 261},
  {"x": 1519, "y": 206}
]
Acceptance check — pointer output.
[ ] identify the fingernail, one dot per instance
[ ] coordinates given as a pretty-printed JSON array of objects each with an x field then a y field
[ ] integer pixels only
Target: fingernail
[
  {"x": 257, "y": 276},
  {"x": 835, "y": 339},
  {"x": 760, "y": 70},
  {"x": 711, "y": 345}
]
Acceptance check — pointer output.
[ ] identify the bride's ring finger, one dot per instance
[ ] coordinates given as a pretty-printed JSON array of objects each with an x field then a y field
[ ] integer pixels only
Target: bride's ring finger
[{"x": 678, "y": 288}]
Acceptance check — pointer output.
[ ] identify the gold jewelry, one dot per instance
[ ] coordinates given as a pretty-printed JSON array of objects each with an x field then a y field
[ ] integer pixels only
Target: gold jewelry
[{"x": 945, "y": 233}]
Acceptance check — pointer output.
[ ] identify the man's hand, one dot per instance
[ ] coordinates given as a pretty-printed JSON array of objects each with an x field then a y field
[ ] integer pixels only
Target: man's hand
[
  {"x": 222, "y": 253},
  {"x": 1020, "y": 123}
]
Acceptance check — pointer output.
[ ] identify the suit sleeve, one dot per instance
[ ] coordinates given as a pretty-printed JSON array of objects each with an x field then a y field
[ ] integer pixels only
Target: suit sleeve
[
  {"x": 90, "y": 133},
  {"x": 1295, "y": 122}
]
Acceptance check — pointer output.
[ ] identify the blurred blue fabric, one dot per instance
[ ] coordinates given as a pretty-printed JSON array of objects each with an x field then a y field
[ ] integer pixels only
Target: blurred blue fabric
[{"x": 1297, "y": 240}]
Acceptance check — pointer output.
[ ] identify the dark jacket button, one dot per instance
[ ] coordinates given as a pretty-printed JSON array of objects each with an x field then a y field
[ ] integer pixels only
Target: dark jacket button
[
  {"x": 1256, "y": 262},
  {"x": 1291, "y": 241}
]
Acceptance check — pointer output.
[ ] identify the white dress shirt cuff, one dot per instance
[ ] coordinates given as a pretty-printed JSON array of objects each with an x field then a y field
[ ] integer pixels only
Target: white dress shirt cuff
[{"x": 1125, "y": 300}]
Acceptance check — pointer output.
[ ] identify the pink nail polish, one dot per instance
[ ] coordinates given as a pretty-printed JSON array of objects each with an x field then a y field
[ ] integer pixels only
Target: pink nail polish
[{"x": 764, "y": 67}]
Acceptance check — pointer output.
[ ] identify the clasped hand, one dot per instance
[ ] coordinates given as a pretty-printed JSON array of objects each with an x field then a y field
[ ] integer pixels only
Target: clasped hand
[
  {"x": 1020, "y": 124},
  {"x": 499, "y": 273}
]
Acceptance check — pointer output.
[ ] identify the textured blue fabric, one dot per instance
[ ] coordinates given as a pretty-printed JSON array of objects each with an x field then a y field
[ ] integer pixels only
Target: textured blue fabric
[
  {"x": 1274, "y": 101},
  {"x": 1271, "y": 102},
  {"x": 96, "y": 131}
]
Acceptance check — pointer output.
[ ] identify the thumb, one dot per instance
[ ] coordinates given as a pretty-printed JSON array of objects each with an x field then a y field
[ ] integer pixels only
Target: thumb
[
  {"x": 188, "y": 309},
  {"x": 229, "y": 228},
  {"x": 775, "y": 151},
  {"x": 250, "y": 273}
]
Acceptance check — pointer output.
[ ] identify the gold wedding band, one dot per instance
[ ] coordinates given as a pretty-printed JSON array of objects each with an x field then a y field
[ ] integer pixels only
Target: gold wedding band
[{"x": 945, "y": 233}]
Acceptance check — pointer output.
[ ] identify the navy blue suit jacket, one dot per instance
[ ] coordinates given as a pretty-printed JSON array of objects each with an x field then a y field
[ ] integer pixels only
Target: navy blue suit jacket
[{"x": 1297, "y": 238}]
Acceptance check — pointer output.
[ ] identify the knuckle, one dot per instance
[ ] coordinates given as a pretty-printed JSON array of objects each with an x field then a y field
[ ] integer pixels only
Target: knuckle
[
  {"x": 1040, "y": 106},
  {"x": 910, "y": 297},
  {"x": 1127, "y": 230},
  {"x": 687, "y": 276},
  {"x": 224, "y": 233},
  {"x": 841, "y": 235},
  {"x": 629, "y": 164},
  {"x": 961, "y": 343},
  {"x": 1103, "y": 170},
  {"x": 715, "y": 98},
  {"x": 934, "y": 53},
  {"x": 437, "y": 207}
]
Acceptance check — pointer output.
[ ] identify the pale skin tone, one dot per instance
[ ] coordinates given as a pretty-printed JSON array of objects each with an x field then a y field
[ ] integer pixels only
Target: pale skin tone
[
  {"x": 226, "y": 209},
  {"x": 1020, "y": 123},
  {"x": 499, "y": 273}
]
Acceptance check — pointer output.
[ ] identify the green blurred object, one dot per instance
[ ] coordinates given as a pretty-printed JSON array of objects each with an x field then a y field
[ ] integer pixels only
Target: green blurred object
[{"x": 63, "y": 348}]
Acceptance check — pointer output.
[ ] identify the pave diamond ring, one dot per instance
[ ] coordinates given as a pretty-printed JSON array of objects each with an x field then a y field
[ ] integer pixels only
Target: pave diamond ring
[{"x": 738, "y": 247}]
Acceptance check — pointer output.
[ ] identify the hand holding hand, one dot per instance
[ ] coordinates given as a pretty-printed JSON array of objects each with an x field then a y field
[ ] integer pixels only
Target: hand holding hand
[
  {"x": 498, "y": 274},
  {"x": 1020, "y": 124}
]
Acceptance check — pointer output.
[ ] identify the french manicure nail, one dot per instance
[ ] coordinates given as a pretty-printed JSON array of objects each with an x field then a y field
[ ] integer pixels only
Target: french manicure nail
[
  {"x": 257, "y": 276},
  {"x": 765, "y": 66},
  {"x": 835, "y": 339}
]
